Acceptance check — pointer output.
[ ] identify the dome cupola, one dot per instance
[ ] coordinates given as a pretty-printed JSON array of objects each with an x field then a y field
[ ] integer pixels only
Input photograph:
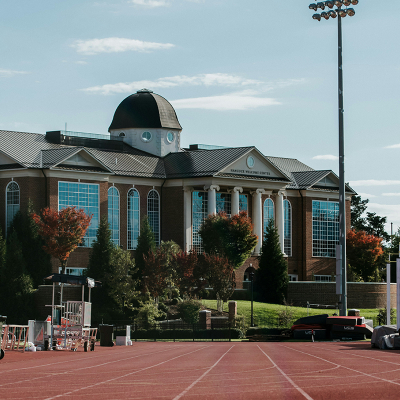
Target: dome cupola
[{"x": 145, "y": 109}]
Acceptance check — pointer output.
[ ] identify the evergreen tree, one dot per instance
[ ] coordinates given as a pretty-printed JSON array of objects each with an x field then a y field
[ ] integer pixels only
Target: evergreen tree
[
  {"x": 37, "y": 261},
  {"x": 16, "y": 285},
  {"x": 113, "y": 267},
  {"x": 271, "y": 278},
  {"x": 146, "y": 244}
]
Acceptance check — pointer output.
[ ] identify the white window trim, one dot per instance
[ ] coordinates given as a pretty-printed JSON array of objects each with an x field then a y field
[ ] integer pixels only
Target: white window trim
[
  {"x": 323, "y": 276},
  {"x": 19, "y": 201},
  {"x": 79, "y": 182},
  {"x": 159, "y": 213},
  {"x": 291, "y": 222},
  {"x": 127, "y": 215},
  {"x": 173, "y": 137},
  {"x": 119, "y": 212}
]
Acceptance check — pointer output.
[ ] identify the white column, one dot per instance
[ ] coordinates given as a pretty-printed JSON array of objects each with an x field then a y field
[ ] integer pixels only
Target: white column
[
  {"x": 187, "y": 205},
  {"x": 212, "y": 201},
  {"x": 398, "y": 292},
  {"x": 388, "y": 302},
  {"x": 257, "y": 218},
  {"x": 280, "y": 218},
  {"x": 235, "y": 200}
]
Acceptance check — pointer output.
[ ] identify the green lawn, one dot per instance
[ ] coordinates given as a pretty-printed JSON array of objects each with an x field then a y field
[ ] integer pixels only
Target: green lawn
[{"x": 267, "y": 315}]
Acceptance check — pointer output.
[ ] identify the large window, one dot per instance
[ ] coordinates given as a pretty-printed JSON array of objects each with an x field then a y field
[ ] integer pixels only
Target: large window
[
  {"x": 287, "y": 243},
  {"x": 12, "y": 206},
  {"x": 223, "y": 203},
  {"x": 268, "y": 212},
  {"x": 325, "y": 225},
  {"x": 113, "y": 213},
  {"x": 243, "y": 202},
  {"x": 82, "y": 196},
  {"x": 153, "y": 213},
  {"x": 200, "y": 212},
  {"x": 133, "y": 218}
]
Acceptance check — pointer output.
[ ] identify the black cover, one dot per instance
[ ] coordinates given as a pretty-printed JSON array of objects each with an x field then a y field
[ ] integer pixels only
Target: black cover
[
  {"x": 72, "y": 279},
  {"x": 347, "y": 335},
  {"x": 343, "y": 321},
  {"x": 312, "y": 320},
  {"x": 367, "y": 330},
  {"x": 319, "y": 334}
]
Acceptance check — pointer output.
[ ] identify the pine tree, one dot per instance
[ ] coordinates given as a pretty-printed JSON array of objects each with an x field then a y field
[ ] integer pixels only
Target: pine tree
[
  {"x": 271, "y": 279},
  {"x": 146, "y": 244},
  {"x": 38, "y": 262}
]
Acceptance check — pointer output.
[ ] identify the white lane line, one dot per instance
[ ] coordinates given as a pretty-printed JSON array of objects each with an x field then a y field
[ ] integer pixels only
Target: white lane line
[
  {"x": 297, "y": 387},
  {"x": 83, "y": 358},
  {"x": 350, "y": 369},
  {"x": 123, "y": 376},
  {"x": 72, "y": 371},
  {"x": 202, "y": 376}
]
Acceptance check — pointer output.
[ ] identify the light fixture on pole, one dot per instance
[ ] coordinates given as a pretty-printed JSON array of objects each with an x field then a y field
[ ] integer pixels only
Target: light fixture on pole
[{"x": 340, "y": 13}]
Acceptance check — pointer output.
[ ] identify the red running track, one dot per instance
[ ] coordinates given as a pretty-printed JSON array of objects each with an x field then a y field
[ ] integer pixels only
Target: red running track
[{"x": 205, "y": 370}]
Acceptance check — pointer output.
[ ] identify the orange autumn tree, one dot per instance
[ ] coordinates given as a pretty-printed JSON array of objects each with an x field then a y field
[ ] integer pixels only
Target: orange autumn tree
[
  {"x": 62, "y": 231},
  {"x": 363, "y": 252}
]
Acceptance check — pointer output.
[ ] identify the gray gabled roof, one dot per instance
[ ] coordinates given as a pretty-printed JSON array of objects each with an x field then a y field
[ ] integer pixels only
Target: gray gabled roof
[{"x": 201, "y": 162}]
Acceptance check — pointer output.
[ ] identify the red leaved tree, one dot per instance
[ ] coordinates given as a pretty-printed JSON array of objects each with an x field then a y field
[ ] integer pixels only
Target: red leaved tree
[
  {"x": 156, "y": 273},
  {"x": 62, "y": 231},
  {"x": 363, "y": 252},
  {"x": 190, "y": 273}
]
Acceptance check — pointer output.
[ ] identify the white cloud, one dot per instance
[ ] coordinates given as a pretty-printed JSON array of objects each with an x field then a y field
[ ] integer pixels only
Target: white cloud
[
  {"x": 81, "y": 62},
  {"x": 150, "y": 3},
  {"x": 391, "y": 212},
  {"x": 374, "y": 182},
  {"x": 217, "y": 79},
  {"x": 234, "y": 101},
  {"x": 393, "y": 146},
  {"x": 326, "y": 157},
  {"x": 8, "y": 73},
  {"x": 117, "y": 45},
  {"x": 391, "y": 194},
  {"x": 366, "y": 195}
]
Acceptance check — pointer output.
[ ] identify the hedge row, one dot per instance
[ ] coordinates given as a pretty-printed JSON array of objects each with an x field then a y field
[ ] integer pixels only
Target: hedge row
[{"x": 225, "y": 333}]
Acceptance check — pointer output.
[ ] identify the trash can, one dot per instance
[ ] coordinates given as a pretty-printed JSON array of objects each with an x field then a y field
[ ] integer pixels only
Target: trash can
[
  {"x": 2, "y": 320},
  {"x": 106, "y": 335}
]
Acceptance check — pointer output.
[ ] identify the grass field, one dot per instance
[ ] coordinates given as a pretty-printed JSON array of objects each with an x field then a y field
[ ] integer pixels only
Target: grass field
[{"x": 268, "y": 315}]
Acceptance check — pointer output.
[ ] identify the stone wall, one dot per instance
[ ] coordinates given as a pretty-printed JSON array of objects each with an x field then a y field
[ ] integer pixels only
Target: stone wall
[{"x": 359, "y": 294}]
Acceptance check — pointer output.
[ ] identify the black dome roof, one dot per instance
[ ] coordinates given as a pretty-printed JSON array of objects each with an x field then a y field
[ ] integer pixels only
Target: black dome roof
[{"x": 145, "y": 109}]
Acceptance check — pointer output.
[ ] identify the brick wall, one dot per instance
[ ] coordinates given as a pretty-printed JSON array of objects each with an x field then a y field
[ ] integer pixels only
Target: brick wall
[{"x": 360, "y": 294}]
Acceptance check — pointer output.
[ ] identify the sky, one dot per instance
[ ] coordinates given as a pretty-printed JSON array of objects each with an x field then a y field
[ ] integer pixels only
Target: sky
[{"x": 239, "y": 73}]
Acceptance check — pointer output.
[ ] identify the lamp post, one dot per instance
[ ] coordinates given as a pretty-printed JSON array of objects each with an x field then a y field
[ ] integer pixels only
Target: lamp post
[
  {"x": 340, "y": 13},
  {"x": 251, "y": 274}
]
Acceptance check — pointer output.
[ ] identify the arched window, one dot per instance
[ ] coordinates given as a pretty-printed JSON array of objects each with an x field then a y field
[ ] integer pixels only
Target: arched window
[
  {"x": 113, "y": 213},
  {"x": 287, "y": 243},
  {"x": 133, "y": 218},
  {"x": 153, "y": 213},
  {"x": 268, "y": 212},
  {"x": 12, "y": 202}
]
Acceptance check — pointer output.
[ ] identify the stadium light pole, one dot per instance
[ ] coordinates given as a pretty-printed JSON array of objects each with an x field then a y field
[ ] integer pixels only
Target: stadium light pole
[
  {"x": 252, "y": 283},
  {"x": 339, "y": 13}
]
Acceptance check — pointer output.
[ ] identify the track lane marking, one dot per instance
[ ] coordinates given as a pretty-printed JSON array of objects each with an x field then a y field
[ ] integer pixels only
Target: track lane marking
[
  {"x": 202, "y": 376},
  {"x": 350, "y": 369},
  {"x": 82, "y": 368},
  {"x": 123, "y": 376},
  {"x": 297, "y": 387}
]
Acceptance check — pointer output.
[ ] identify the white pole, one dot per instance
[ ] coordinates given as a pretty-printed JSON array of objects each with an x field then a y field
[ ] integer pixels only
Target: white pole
[
  {"x": 388, "y": 303},
  {"x": 398, "y": 293}
]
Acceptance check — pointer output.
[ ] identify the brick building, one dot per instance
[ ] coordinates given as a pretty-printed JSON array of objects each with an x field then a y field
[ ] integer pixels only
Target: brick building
[{"x": 140, "y": 169}]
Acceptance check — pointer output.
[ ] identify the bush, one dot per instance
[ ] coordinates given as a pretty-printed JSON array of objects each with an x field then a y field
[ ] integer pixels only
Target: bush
[
  {"x": 189, "y": 311},
  {"x": 175, "y": 301},
  {"x": 162, "y": 307}
]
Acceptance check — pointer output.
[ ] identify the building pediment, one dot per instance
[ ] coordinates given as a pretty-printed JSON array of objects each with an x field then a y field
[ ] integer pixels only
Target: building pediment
[{"x": 255, "y": 165}]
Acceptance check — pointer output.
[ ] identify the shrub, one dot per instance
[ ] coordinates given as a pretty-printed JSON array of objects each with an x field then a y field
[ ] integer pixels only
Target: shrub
[{"x": 189, "y": 311}]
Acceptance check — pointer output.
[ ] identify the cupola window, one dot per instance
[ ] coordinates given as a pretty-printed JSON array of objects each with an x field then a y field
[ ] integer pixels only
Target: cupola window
[
  {"x": 146, "y": 136},
  {"x": 170, "y": 137}
]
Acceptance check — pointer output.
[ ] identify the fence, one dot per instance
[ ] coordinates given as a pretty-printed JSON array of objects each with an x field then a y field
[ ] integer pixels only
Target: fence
[{"x": 174, "y": 331}]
